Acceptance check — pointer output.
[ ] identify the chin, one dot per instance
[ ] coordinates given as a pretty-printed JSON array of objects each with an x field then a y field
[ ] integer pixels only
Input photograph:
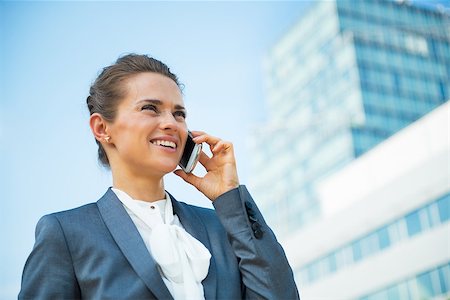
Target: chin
[
  {"x": 168, "y": 168},
  {"x": 158, "y": 166}
]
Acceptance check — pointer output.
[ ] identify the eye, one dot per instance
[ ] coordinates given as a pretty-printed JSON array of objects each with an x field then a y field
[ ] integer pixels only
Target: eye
[
  {"x": 179, "y": 114},
  {"x": 150, "y": 107}
]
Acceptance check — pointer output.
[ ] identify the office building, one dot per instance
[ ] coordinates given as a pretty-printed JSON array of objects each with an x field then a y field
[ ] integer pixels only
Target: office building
[
  {"x": 346, "y": 77},
  {"x": 385, "y": 229}
]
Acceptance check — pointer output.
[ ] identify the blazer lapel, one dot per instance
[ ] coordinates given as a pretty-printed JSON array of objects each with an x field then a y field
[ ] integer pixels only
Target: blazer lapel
[
  {"x": 195, "y": 226},
  {"x": 131, "y": 244}
]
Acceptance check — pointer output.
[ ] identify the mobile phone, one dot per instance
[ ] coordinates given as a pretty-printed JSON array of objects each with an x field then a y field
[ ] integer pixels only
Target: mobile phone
[{"x": 191, "y": 154}]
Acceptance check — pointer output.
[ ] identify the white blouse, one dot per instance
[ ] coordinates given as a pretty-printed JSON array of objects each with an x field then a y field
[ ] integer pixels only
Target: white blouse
[{"x": 183, "y": 261}]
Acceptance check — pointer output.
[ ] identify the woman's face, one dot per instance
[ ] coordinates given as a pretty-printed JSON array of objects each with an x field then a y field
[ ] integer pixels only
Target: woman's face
[{"x": 149, "y": 131}]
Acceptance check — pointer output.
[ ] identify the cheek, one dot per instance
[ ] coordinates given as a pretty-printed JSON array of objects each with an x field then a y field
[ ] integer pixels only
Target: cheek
[
  {"x": 183, "y": 127},
  {"x": 183, "y": 131},
  {"x": 129, "y": 130},
  {"x": 183, "y": 134}
]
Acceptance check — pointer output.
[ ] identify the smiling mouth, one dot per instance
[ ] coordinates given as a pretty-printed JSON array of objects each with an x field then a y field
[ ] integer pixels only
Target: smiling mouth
[{"x": 167, "y": 144}]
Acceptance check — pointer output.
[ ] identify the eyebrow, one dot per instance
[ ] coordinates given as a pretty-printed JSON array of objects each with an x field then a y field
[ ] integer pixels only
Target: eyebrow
[{"x": 159, "y": 103}]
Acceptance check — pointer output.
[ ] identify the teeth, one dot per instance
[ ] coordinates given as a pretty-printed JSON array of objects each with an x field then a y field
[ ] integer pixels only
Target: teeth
[{"x": 164, "y": 143}]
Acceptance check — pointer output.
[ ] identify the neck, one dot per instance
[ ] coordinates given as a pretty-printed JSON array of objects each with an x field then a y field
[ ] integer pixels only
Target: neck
[{"x": 142, "y": 188}]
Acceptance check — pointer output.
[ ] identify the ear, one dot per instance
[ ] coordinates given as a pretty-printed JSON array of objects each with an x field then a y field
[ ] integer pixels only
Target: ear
[{"x": 99, "y": 127}]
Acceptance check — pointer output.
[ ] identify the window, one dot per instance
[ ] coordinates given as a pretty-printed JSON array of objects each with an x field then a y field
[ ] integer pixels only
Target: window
[
  {"x": 369, "y": 245},
  {"x": 332, "y": 262},
  {"x": 383, "y": 238},
  {"x": 444, "y": 278},
  {"x": 425, "y": 218},
  {"x": 356, "y": 248},
  {"x": 393, "y": 293},
  {"x": 425, "y": 286},
  {"x": 433, "y": 214},
  {"x": 444, "y": 208},
  {"x": 413, "y": 224},
  {"x": 403, "y": 291},
  {"x": 313, "y": 272}
]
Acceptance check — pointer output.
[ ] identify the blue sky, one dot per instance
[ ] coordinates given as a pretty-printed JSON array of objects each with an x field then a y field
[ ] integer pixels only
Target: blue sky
[{"x": 50, "y": 52}]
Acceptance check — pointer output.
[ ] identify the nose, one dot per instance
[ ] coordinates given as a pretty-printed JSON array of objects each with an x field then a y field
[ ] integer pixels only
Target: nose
[{"x": 168, "y": 122}]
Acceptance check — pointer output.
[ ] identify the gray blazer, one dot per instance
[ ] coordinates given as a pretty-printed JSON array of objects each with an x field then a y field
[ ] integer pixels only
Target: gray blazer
[{"x": 96, "y": 252}]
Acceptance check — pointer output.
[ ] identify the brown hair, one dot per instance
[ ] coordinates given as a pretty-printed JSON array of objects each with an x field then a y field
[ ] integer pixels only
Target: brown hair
[{"x": 109, "y": 89}]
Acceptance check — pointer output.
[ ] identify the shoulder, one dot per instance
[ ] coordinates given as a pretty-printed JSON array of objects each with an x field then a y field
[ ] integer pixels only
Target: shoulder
[
  {"x": 73, "y": 213},
  {"x": 52, "y": 229},
  {"x": 57, "y": 221},
  {"x": 83, "y": 212}
]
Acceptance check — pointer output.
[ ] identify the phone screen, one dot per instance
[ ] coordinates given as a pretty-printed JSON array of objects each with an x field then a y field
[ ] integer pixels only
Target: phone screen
[{"x": 188, "y": 149}]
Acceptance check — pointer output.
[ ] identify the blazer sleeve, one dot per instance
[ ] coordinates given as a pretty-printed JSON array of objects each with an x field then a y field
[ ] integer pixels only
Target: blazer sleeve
[
  {"x": 48, "y": 272},
  {"x": 263, "y": 265}
]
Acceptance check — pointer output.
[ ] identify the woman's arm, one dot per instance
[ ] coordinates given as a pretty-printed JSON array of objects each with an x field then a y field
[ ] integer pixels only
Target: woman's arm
[
  {"x": 263, "y": 265},
  {"x": 262, "y": 262},
  {"x": 48, "y": 272}
]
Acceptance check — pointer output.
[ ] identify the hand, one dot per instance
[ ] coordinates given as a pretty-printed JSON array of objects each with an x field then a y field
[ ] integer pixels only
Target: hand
[{"x": 221, "y": 170}]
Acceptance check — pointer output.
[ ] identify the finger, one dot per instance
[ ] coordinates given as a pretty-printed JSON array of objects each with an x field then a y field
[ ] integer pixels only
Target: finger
[
  {"x": 217, "y": 147},
  {"x": 204, "y": 160},
  {"x": 206, "y": 138},
  {"x": 189, "y": 178},
  {"x": 221, "y": 146},
  {"x": 196, "y": 133}
]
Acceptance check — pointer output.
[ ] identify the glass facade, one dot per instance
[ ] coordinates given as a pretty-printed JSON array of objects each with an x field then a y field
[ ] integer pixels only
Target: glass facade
[
  {"x": 380, "y": 239},
  {"x": 432, "y": 284},
  {"x": 346, "y": 77},
  {"x": 403, "y": 59}
]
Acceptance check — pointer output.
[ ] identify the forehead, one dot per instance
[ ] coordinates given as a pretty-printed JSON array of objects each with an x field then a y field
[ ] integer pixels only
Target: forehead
[{"x": 153, "y": 86}]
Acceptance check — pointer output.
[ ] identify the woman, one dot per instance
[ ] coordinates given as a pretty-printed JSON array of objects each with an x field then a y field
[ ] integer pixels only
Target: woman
[{"x": 137, "y": 241}]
